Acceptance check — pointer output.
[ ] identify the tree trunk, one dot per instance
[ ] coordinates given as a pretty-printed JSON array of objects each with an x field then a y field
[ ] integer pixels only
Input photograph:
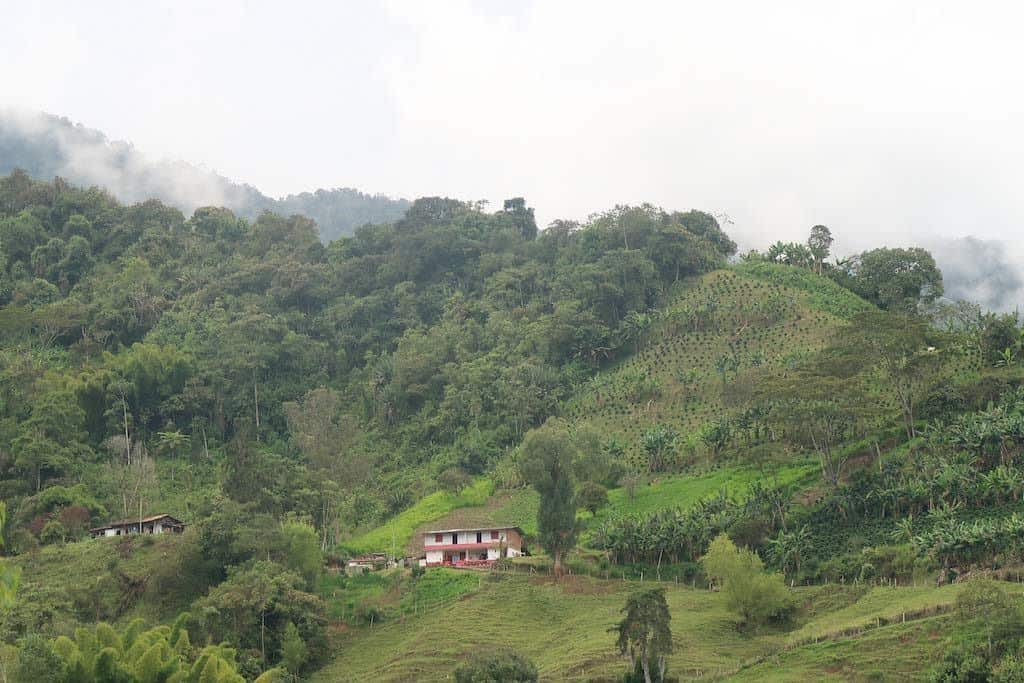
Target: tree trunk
[
  {"x": 127, "y": 437},
  {"x": 557, "y": 568},
  {"x": 256, "y": 398}
]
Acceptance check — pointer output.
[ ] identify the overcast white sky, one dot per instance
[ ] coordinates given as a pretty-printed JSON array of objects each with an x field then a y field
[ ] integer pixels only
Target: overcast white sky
[{"x": 887, "y": 121}]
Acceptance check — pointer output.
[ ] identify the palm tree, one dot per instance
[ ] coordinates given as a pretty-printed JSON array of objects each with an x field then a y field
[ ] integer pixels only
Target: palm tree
[
  {"x": 777, "y": 252},
  {"x": 904, "y": 532},
  {"x": 1006, "y": 358},
  {"x": 789, "y": 547},
  {"x": 635, "y": 327}
]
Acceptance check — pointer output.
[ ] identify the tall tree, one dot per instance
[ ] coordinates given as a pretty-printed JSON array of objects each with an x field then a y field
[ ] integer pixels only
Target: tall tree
[
  {"x": 894, "y": 279},
  {"x": 328, "y": 438},
  {"x": 816, "y": 408},
  {"x": 820, "y": 242},
  {"x": 645, "y": 635},
  {"x": 896, "y": 344},
  {"x": 546, "y": 462}
]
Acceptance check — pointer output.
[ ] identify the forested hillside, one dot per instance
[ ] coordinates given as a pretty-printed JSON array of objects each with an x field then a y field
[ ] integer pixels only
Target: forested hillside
[
  {"x": 208, "y": 363},
  {"x": 641, "y": 402},
  {"x": 47, "y": 147}
]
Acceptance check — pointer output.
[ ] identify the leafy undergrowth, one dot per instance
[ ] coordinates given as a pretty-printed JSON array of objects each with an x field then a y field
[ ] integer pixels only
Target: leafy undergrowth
[
  {"x": 64, "y": 586},
  {"x": 563, "y": 628},
  {"x": 392, "y": 594}
]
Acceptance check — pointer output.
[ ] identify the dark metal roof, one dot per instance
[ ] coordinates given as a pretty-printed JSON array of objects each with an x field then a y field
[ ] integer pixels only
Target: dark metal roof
[{"x": 136, "y": 520}]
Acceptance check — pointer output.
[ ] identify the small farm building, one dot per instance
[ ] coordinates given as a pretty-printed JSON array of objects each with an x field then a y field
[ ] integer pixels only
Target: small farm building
[
  {"x": 156, "y": 524},
  {"x": 368, "y": 562}
]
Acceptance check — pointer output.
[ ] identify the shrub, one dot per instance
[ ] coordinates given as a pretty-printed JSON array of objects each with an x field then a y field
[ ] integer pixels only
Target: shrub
[
  {"x": 592, "y": 497},
  {"x": 37, "y": 662},
  {"x": 53, "y": 532},
  {"x": 755, "y": 595},
  {"x": 503, "y": 666},
  {"x": 454, "y": 480}
]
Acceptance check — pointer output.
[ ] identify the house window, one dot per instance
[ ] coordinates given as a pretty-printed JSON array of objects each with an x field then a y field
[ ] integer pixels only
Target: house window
[
  {"x": 438, "y": 538},
  {"x": 479, "y": 537},
  {"x": 494, "y": 535},
  {"x": 455, "y": 539}
]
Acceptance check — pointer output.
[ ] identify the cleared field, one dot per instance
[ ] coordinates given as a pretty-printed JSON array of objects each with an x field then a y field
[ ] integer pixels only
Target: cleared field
[{"x": 563, "y": 628}]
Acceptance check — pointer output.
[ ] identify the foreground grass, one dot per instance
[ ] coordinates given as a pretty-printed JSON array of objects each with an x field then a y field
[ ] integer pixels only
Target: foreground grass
[
  {"x": 901, "y": 652},
  {"x": 563, "y": 628}
]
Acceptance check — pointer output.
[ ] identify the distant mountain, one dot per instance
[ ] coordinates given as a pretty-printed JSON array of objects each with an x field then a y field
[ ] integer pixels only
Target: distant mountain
[{"x": 46, "y": 146}]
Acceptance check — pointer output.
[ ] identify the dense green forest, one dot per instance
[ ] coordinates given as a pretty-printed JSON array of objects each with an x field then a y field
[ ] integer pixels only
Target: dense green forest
[{"x": 640, "y": 399}]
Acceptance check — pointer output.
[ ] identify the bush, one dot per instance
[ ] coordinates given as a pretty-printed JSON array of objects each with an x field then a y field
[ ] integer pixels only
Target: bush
[
  {"x": 503, "y": 666},
  {"x": 755, "y": 595},
  {"x": 53, "y": 532},
  {"x": 37, "y": 662},
  {"x": 592, "y": 497}
]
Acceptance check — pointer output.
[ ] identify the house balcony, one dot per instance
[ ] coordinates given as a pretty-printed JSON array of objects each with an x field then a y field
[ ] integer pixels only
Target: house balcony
[{"x": 464, "y": 546}]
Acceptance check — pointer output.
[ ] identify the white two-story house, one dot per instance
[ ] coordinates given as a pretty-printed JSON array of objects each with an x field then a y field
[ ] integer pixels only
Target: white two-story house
[{"x": 468, "y": 547}]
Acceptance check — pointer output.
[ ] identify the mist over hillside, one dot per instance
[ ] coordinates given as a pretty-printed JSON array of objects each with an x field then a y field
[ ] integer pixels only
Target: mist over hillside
[
  {"x": 986, "y": 272},
  {"x": 47, "y": 146}
]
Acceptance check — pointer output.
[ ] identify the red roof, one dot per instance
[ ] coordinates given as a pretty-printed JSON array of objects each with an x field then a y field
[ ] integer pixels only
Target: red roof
[
  {"x": 460, "y": 546},
  {"x": 472, "y": 529}
]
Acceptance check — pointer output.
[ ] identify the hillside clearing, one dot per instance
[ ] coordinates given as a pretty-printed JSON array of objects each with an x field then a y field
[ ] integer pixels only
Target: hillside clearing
[{"x": 530, "y": 614}]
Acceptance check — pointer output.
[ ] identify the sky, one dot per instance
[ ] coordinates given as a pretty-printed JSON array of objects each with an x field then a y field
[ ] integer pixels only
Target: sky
[{"x": 890, "y": 122}]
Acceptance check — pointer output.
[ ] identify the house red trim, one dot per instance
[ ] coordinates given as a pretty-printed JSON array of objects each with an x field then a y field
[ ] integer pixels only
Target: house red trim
[{"x": 462, "y": 546}]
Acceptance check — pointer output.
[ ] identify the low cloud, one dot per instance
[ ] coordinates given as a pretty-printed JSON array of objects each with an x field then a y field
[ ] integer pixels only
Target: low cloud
[
  {"x": 987, "y": 272},
  {"x": 47, "y": 146}
]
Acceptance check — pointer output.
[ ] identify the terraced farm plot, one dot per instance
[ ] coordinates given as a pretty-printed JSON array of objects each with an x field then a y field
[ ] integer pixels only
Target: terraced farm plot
[
  {"x": 563, "y": 628},
  {"x": 717, "y": 327}
]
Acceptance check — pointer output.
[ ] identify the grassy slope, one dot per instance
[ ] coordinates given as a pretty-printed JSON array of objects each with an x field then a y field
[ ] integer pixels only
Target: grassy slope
[
  {"x": 564, "y": 629},
  {"x": 50, "y": 574},
  {"x": 530, "y": 615}
]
